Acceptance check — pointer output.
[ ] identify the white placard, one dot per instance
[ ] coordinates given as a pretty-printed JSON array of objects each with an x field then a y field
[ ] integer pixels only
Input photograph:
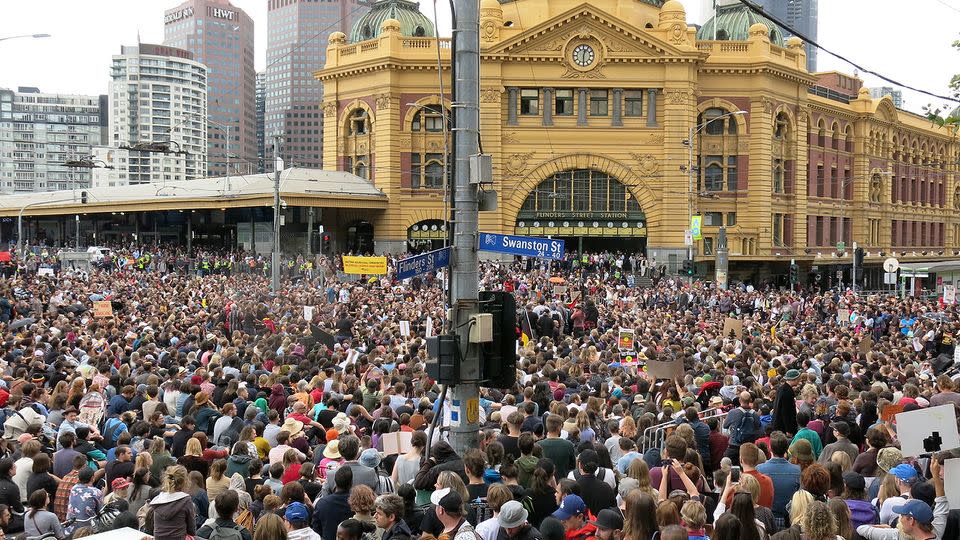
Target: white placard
[
  {"x": 951, "y": 481},
  {"x": 916, "y": 427},
  {"x": 949, "y": 294},
  {"x": 45, "y": 272},
  {"x": 429, "y": 332},
  {"x": 308, "y": 313},
  {"x": 398, "y": 442},
  {"x": 353, "y": 355},
  {"x": 405, "y": 328}
]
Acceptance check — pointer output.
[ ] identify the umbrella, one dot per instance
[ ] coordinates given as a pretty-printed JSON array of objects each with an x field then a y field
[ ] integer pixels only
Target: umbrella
[
  {"x": 558, "y": 280},
  {"x": 22, "y": 322}
]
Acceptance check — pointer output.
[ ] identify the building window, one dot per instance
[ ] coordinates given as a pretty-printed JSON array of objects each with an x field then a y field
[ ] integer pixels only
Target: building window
[
  {"x": 820, "y": 181},
  {"x": 564, "y": 102},
  {"x": 731, "y": 219},
  {"x": 778, "y": 176},
  {"x": 713, "y": 174},
  {"x": 633, "y": 103},
  {"x": 429, "y": 118},
  {"x": 712, "y": 219},
  {"x": 598, "y": 103},
  {"x": 707, "y": 245},
  {"x": 716, "y": 125},
  {"x": 778, "y": 229},
  {"x": 529, "y": 101},
  {"x": 731, "y": 173},
  {"x": 359, "y": 122}
]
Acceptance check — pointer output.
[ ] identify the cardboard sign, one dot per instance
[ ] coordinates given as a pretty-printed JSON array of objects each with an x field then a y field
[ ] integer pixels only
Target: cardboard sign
[
  {"x": 732, "y": 326},
  {"x": 866, "y": 344},
  {"x": 560, "y": 290},
  {"x": 429, "y": 330},
  {"x": 364, "y": 265},
  {"x": 575, "y": 296},
  {"x": 949, "y": 294},
  {"x": 890, "y": 412},
  {"x": 670, "y": 369},
  {"x": 951, "y": 481},
  {"x": 308, "y": 313},
  {"x": 843, "y": 317},
  {"x": 45, "y": 272},
  {"x": 405, "y": 328},
  {"x": 398, "y": 442},
  {"x": 925, "y": 431},
  {"x": 102, "y": 308},
  {"x": 627, "y": 339}
]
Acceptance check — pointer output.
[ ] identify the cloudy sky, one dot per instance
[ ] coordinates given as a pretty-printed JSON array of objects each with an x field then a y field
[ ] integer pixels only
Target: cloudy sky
[{"x": 906, "y": 41}]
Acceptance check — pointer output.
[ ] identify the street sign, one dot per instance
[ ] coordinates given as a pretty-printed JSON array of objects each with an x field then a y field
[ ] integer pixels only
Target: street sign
[
  {"x": 528, "y": 246},
  {"x": 423, "y": 263},
  {"x": 890, "y": 278},
  {"x": 687, "y": 238},
  {"x": 891, "y": 264},
  {"x": 841, "y": 246}
]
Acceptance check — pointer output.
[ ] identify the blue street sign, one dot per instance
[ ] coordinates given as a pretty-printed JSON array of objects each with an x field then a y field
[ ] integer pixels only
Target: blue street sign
[
  {"x": 529, "y": 246},
  {"x": 423, "y": 263}
]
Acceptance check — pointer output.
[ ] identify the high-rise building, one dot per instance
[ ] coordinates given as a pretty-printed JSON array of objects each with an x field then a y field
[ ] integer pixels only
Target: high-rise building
[
  {"x": 221, "y": 36},
  {"x": 39, "y": 132},
  {"x": 297, "y": 33},
  {"x": 895, "y": 95},
  {"x": 800, "y": 15},
  {"x": 157, "y": 94},
  {"x": 261, "y": 91}
]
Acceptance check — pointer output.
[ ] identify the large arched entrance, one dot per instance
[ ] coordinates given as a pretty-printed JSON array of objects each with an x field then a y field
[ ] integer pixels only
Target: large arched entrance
[
  {"x": 360, "y": 238},
  {"x": 590, "y": 209},
  {"x": 426, "y": 235}
]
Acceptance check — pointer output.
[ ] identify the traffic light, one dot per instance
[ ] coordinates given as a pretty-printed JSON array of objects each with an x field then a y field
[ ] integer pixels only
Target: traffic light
[
  {"x": 688, "y": 268},
  {"x": 83, "y": 197},
  {"x": 498, "y": 359},
  {"x": 326, "y": 244},
  {"x": 858, "y": 264},
  {"x": 794, "y": 273}
]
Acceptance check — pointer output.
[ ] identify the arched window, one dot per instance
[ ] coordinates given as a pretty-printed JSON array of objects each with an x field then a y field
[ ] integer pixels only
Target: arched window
[
  {"x": 428, "y": 118},
  {"x": 359, "y": 123},
  {"x": 778, "y": 186},
  {"x": 781, "y": 129},
  {"x": 714, "y": 125},
  {"x": 848, "y": 139},
  {"x": 821, "y": 134},
  {"x": 419, "y": 31}
]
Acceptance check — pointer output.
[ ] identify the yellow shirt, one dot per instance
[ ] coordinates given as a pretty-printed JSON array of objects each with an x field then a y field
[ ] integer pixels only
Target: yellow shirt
[{"x": 263, "y": 447}]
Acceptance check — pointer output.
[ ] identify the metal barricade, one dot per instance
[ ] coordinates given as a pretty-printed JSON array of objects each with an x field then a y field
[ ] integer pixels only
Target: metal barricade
[{"x": 655, "y": 436}]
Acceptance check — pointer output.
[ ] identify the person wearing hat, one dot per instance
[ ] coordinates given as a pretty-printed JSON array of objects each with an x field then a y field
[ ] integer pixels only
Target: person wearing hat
[
  {"x": 609, "y": 525},
  {"x": 450, "y": 512},
  {"x": 854, "y": 494},
  {"x": 291, "y": 428},
  {"x": 331, "y": 460},
  {"x": 297, "y": 521},
  {"x": 513, "y": 523},
  {"x": 841, "y": 432},
  {"x": 573, "y": 514},
  {"x": 906, "y": 477},
  {"x": 916, "y": 521},
  {"x": 388, "y": 514},
  {"x": 119, "y": 490},
  {"x": 785, "y": 404}
]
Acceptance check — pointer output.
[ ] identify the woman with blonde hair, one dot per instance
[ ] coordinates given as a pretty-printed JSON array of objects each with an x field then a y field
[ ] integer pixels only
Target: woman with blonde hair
[
  {"x": 587, "y": 434},
  {"x": 447, "y": 479},
  {"x": 270, "y": 527},
  {"x": 628, "y": 428},
  {"x": 842, "y": 459},
  {"x": 638, "y": 478},
  {"x": 172, "y": 515},
  {"x": 192, "y": 458}
]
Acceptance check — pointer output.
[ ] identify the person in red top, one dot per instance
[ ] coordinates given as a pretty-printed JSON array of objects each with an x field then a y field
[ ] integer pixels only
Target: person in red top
[
  {"x": 749, "y": 456},
  {"x": 576, "y": 518},
  {"x": 291, "y": 466},
  {"x": 718, "y": 443}
]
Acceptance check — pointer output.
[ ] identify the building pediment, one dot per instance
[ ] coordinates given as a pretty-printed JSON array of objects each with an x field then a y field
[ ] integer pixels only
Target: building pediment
[{"x": 586, "y": 23}]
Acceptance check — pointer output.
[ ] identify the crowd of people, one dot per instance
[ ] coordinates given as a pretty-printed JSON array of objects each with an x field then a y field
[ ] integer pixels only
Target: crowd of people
[{"x": 200, "y": 405}]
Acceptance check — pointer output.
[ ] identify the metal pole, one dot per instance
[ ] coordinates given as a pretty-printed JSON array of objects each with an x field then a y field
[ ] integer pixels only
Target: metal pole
[
  {"x": 275, "y": 253},
  {"x": 464, "y": 432},
  {"x": 77, "y": 244},
  {"x": 723, "y": 261},
  {"x": 690, "y": 181},
  {"x": 310, "y": 231},
  {"x": 228, "y": 158}
]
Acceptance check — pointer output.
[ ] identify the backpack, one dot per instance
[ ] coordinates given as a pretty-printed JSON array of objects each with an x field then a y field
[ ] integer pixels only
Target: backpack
[
  {"x": 746, "y": 430},
  {"x": 225, "y": 533},
  {"x": 232, "y": 433},
  {"x": 245, "y": 519},
  {"x": 111, "y": 431}
]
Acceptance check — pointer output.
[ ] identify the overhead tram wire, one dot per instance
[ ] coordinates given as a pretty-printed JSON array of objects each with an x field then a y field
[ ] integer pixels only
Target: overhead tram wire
[{"x": 759, "y": 11}]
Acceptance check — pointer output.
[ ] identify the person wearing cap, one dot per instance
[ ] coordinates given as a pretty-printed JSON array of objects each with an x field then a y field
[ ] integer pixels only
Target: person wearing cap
[
  {"x": 596, "y": 493},
  {"x": 609, "y": 525},
  {"x": 841, "y": 432},
  {"x": 854, "y": 495},
  {"x": 785, "y": 404},
  {"x": 119, "y": 490},
  {"x": 388, "y": 514},
  {"x": 226, "y": 504},
  {"x": 573, "y": 514},
  {"x": 513, "y": 523},
  {"x": 297, "y": 520},
  {"x": 450, "y": 512},
  {"x": 906, "y": 477}
]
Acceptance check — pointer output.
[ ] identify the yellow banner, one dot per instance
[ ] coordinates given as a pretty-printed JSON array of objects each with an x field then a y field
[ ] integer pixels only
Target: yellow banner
[{"x": 364, "y": 265}]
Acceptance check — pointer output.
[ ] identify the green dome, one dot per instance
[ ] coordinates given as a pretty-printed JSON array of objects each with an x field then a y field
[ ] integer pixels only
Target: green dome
[
  {"x": 734, "y": 24},
  {"x": 412, "y": 22}
]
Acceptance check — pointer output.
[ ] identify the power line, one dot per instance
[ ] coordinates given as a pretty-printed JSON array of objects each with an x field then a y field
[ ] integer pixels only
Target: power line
[{"x": 759, "y": 11}]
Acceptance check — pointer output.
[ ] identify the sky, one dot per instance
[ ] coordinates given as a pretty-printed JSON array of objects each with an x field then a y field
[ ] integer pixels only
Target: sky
[{"x": 909, "y": 42}]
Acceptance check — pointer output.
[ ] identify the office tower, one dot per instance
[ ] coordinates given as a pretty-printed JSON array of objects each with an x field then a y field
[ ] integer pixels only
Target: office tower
[
  {"x": 895, "y": 95},
  {"x": 221, "y": 36},
  {"x": 39, "y": 132},
  {"x": 157, "y": 94},
  {"x": 297, "y": 33},
  {"x": 261, "y": 90},
  {"x": 800, "y": 15}
]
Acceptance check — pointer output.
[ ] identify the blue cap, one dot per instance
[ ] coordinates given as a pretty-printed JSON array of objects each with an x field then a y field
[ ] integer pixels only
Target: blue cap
[
  {"x": 571, "y": 505},
  {"x": 916, "y": 509},
  {"x": 904, "y": 472},
  {"x": 296, "y": 512}
]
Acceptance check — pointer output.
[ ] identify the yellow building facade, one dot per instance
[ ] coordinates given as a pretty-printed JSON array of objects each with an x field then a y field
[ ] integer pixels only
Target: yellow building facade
[{"x": 587, "y": 108}]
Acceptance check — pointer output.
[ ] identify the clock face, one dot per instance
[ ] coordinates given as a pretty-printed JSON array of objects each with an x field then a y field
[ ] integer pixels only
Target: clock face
[{"x": 583, "y": 55}]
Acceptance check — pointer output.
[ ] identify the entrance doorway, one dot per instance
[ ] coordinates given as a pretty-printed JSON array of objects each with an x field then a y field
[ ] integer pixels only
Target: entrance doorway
[
  {"x": 360, "y": 238},
  {"x": 596, "y": 244}
]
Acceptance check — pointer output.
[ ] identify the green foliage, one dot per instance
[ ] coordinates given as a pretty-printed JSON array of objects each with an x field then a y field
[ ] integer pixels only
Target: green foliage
[{"x": 939, "y": 116}]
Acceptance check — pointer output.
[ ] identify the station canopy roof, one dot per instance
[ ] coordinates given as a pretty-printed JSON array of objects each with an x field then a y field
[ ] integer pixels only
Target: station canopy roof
[{"x": 298, "y": 187}]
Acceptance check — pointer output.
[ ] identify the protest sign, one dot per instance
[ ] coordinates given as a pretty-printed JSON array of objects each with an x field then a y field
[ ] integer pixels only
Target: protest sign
[
  {"x": 398, "y": 442},
  {"x": 951, "y": 481},
  {"x": 308, "y": 313},
  {"x": 364, "y": 265},
  {"x": 429, "y": 330},
  {"x": 866, "y": 344},
  {"x": 102, "y": 308},
  {"x": 627, "y": 339},
  {"x": 732, "y": 327},
  {"x": 665, "y": 369},
  {"x": 925, "y": 431},
  {"x": 890, "y": 412},
  {"x": 843, "y": 317},
  {"x": 405, "y": 328}
]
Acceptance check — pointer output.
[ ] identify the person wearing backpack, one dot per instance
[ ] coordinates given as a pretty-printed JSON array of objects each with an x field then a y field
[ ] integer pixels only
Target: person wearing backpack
[
  {"x": 224, "y": 527},
  {"x": 743, "y": 424}
]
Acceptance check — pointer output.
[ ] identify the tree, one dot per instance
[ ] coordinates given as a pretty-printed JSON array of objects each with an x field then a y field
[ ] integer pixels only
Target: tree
[{"x": 940, "y": 116}]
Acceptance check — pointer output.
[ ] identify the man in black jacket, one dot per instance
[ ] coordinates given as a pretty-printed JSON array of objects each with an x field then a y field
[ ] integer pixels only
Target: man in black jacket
[
  {"x": 332, "y": 509},
  {"x": 442, "y": 458},
  {"x": 785, "y": 404},
  {"x": 226, "y": 505},
  {"x": 596, "y": 493},
  {"x": 389, "y": 517}
]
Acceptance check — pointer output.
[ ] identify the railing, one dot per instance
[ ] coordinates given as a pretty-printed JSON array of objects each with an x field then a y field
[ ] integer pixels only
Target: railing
[
  {"x": 370, "y": 46},
  {"x": 734, "y": 47},
  {"x": 654, "y": 436}
]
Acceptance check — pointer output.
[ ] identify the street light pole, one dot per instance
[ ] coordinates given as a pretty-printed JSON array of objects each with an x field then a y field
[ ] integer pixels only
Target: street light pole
[
  {"x": 35, "y": 36},
  {"x": 275, "y": 253}
]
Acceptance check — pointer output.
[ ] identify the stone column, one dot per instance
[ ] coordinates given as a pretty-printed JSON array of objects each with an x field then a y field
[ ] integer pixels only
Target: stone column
[
  {"x": 548, "y": 106},
  {"x": 512, "y": 96},
  {"x": 617, "y": 107},
  {"x": 652, "y": 107},
  {"x": 581, "y": 106}
]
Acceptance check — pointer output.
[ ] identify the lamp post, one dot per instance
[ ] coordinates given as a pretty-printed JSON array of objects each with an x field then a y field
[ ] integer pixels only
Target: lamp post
[
  {"x": 694, "y": 129},
  {"x": 20, "y": 220},
  {"x": 34, "y": 36},
  {"x": 87, "y": 162}
]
